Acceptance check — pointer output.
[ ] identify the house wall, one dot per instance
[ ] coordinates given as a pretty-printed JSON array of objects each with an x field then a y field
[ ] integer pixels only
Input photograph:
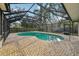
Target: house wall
[
  {"x": 2, "y": 7},
  {"x": 3, "y": 26},
  {"x": 73, "y": 10}
]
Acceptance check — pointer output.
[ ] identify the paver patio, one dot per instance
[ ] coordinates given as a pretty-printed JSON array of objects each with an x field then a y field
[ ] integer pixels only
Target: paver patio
[{"x": 32, "y": 46}]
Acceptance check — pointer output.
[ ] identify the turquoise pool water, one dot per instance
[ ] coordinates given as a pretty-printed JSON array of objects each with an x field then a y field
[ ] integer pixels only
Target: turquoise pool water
[{"x": 42, "y": 36}]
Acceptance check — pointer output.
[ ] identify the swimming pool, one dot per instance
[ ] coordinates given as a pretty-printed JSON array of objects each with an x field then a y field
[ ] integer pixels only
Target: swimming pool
[{"x": 42, "y": 36}]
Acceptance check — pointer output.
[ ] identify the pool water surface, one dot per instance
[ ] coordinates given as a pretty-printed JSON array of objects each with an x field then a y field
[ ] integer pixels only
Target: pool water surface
[{"x": 42, "y": 36}]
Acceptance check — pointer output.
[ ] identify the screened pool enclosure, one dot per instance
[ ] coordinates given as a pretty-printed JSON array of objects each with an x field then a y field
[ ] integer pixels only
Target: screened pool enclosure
[{"x": 46, "y": 17}]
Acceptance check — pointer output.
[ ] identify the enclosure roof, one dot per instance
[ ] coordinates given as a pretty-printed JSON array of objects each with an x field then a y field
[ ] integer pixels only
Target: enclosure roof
[{"x": 51, "y": 12}]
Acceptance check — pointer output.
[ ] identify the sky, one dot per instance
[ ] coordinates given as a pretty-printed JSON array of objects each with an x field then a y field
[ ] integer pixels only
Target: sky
[{"x": 26, "y": 6}]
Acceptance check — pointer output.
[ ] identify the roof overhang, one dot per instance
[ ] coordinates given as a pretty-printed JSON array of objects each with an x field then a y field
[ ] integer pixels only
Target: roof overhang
[
  {"x": 3, "y": 6},
  {"x": 73, "y": 10}
]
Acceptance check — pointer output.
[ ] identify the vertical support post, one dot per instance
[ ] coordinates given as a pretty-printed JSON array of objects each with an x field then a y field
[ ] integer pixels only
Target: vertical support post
[
  {"x": 78, "y": 28},
  {"x": 4, "y": 27},
  {"x": 0, "y": 24},
  {"x": 1, "y": 29},
  {"x": 72, "y": 28},
  {"x": 64, "y": 27}
]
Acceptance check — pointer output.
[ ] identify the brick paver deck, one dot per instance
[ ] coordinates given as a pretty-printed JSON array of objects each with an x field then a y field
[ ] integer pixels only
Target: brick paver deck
[{"x": 32, "y": 46}]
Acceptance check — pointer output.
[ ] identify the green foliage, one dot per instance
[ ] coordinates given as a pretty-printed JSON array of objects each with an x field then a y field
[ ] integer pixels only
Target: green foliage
[{"x": 25, "y": 25}]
